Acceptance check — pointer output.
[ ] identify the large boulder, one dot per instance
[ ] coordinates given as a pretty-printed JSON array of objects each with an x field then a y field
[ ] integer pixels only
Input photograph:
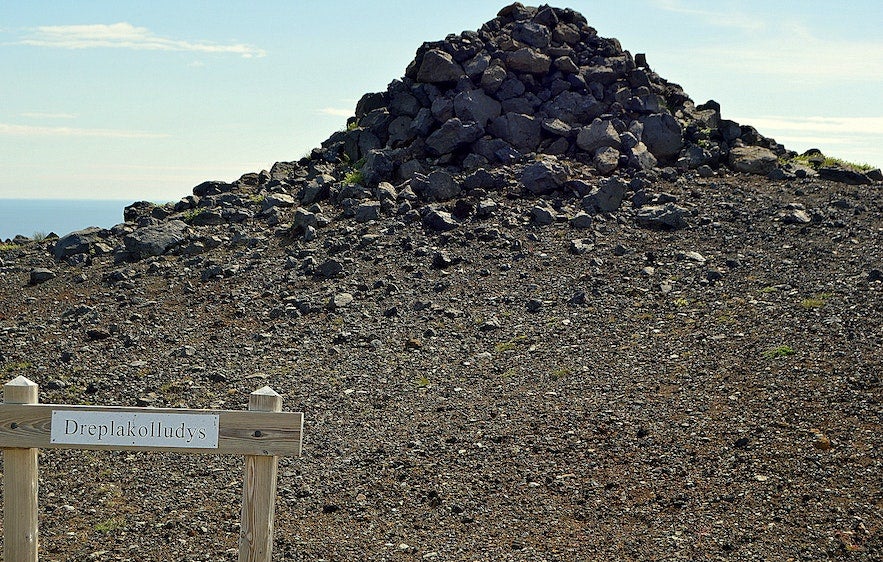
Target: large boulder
[
  {"x": 155, "y": 240},
  {"x": 573, "y": 107},
  {"x": 753, "y": 159},
  {"x": 663, "y": 135},
  {"x": 533, "y": 34},
  {"x": 607, "y": 197},
  {"x": 78, "y": 242},
  {"x": 544, "y": 176},
  {"x": 213, "y": 187},
  {"x": 452, "y": 135},
  {"x": 848, "y": 176},
  {"x": 666, "y": 216},
  {"x": 529, "y": 60},
  {"x": 475, "y": 105},
  {"x": 523, "y": 132},
  {"x": 640, "y": 157},
  {"x": 441, "y": 186},
  {"x": 606, "y": 160},
  {"x": 438, "y": 220},
  {"x": 599, "y": 134},
  {"x": 438, "y": 66}
]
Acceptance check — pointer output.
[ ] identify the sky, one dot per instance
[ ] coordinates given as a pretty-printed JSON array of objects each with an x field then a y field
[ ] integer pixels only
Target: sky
[{"x": 143, "y": 100}]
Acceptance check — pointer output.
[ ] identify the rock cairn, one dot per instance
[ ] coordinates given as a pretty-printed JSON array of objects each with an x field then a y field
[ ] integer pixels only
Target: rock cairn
[
  {"x": 533, "y": 104},
  {"x": 538, "y": 81}
]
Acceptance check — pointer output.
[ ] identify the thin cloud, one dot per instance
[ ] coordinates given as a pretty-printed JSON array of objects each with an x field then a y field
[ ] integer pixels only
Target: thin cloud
[
  {"x": 46, "y": 115},
  {"x": 124, "y": 35},
  {"x": 729, "y": 19},
  {"x": 33, "y": 131},
  {"x": 800, "y": 55},
  {"x": 336, "y": 111},
  {"x": 791, "y": 52},
  {"x": 820, "y": 125}
]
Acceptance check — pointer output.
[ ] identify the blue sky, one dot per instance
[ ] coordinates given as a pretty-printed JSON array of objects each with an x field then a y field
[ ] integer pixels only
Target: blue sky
[{"x": 143, "y": 100}]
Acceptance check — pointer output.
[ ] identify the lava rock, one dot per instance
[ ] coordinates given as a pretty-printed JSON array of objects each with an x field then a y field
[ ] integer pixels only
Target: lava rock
[
  {"x": 155, "y": 240},
  {"x": 753, "y": 159},
  {"x": 667, "y": 216},
  {"x": 41, "y": 275},
  {"x": 544, "y": 176}
]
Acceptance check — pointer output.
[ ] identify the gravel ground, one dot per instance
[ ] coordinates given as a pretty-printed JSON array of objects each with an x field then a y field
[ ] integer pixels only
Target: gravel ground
[{"x": 496, "y": 392}]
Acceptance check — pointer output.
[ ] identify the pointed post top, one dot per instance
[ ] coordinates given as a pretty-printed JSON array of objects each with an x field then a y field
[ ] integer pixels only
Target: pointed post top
[
  {"x": 266, "y": 390},
  {"x": 265, "y": 400},
  {"x": 21, "y": 390}
]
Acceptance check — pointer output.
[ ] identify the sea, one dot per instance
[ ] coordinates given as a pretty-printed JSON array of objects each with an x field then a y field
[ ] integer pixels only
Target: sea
[{"x": 39, "y": 217}]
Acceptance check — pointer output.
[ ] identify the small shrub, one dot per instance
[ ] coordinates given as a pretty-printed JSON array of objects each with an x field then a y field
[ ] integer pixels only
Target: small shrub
[
  {"x": 192, "y": 214},
  {"x": 354, "y": 177}
]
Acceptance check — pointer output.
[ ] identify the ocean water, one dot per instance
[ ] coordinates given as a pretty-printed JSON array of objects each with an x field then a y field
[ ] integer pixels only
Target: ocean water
[{"x": 61, "y": 216}]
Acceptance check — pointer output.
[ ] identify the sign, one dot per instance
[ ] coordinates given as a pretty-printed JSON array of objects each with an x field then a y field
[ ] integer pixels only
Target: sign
[{"x": 134, "y": 429}]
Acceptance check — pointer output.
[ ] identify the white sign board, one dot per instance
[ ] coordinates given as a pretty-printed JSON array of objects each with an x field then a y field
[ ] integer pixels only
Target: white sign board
[{"x": 137, "y": 429}]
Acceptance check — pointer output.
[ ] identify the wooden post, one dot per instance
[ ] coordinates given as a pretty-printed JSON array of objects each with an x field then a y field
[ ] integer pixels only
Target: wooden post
[
  {"x": 259, "y": 490},
  {"x": 20, "y": 538}
]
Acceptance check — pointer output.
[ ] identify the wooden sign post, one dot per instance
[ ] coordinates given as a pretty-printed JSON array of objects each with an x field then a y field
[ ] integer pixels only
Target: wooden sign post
[{"x": 261, "y": 434}]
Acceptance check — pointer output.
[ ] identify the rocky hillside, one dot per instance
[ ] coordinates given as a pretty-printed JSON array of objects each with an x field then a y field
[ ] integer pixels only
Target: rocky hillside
[{"x": 535, "y": 303}]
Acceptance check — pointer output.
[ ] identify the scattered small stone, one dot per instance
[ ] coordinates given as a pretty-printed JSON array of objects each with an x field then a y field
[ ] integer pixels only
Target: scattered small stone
[
  {"x": 340, "y": 300},
  {"x": 821, "y": 441},
  {"x": 97, "y": 334},
  {"x": 580, "y": 246},
  {"x": 329, "y": 269},
  {"x": 439, "y": 221},
  {"x": 56, "y": 384},
  {"x": 620, "y": 250},
  {"x": 578, "y": 298},
  {"x": 795, "y": 216},
  {"x": 441, "y": 260},
  {"x": 542, "y": 215},
  {"x": 692, "y": 256},
  {"x": 582, "y": 221}
]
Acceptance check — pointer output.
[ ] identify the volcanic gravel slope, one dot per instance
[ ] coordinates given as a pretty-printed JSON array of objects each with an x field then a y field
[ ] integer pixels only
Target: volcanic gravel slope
[{"x": 543, "y": 381}]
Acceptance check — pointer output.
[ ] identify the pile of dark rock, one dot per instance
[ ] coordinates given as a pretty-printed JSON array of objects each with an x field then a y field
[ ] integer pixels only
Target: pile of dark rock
[
  {"x": 533, "y": 104},
  {"x": 539, "y": 81}
]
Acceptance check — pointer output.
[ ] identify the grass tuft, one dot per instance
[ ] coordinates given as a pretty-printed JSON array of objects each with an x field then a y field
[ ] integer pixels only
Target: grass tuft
[{"x": 779, "y": 352}]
